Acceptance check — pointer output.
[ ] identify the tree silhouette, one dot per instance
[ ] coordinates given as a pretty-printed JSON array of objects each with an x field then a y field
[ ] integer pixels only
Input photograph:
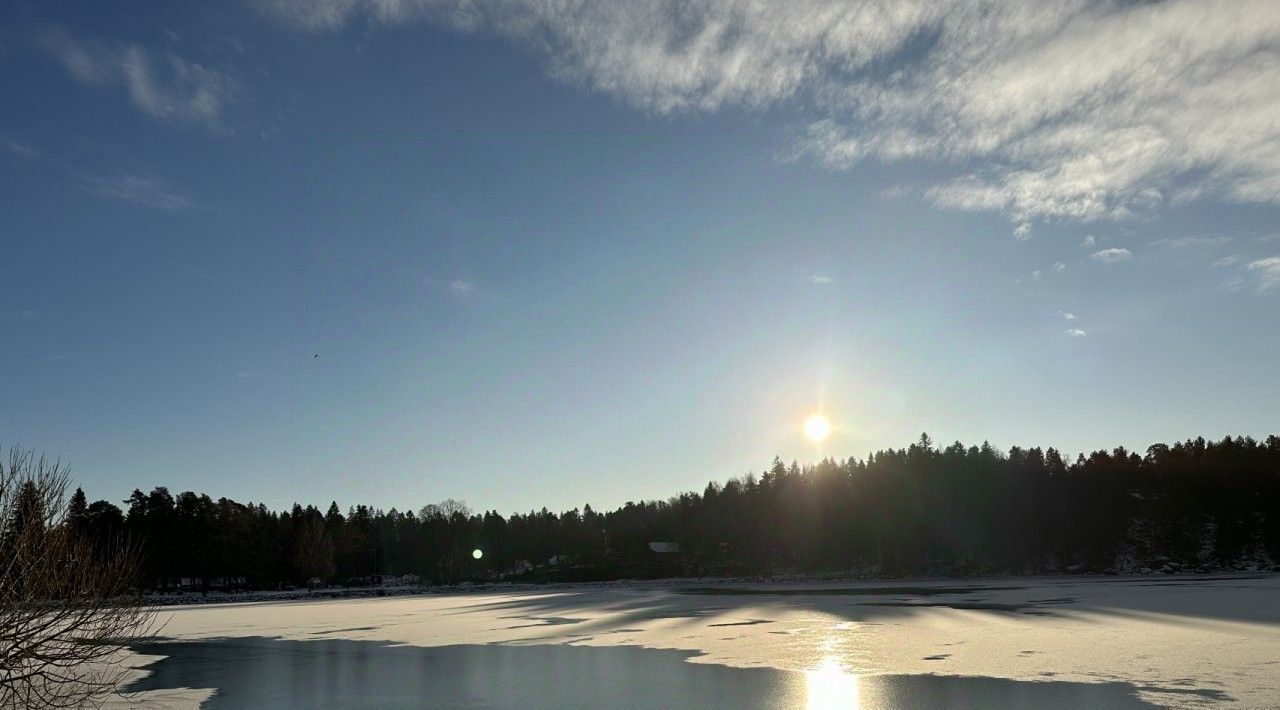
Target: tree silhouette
[{"x": 920, "y": 510}]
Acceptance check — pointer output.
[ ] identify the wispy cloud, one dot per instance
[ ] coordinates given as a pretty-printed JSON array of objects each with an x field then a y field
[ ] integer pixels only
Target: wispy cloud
[
  {"x": 1230, "y": 260},
  {"x": 1111, "y": 256},
  {"x": 1267, "y": 273},
  {"x": 166, "y": 87},
  {"x": 1032, "y": 277},
  {"x": 1067, "y": 315},
  {"x": 1177, "y": 101},
  {"x": 1183, "y": 243},
  {"x": 1075, "y": 332},
  {"x": 1089, "y": 241},
  {"x": 458, "y": 287},
  {"x": 17, "y": 147},
  {"x": 1059, "y": 267},
  {"x": 820, "y": 279},
  {"x": 461, "y": 289},
  {"x": 141, "y": 190}
]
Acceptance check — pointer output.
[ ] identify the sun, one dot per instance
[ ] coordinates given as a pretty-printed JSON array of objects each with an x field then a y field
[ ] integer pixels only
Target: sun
[{"x": 817, "y": 427}]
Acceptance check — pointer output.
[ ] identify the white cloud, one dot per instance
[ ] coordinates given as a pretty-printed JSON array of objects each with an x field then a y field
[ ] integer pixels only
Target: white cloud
[
  {"x": 1075, "y": 332},
  {"x": 820, "y": 279},
  {"x": 1178, "y": 100},
  {"x": 1067, "y": 316},
  {"x": 148, "y": 191},
  {"x": 244, "y": 375},
  {"x": 1231, "y": 260},
  {"x": 1111, "y": 256},
  {"x": 1022, "y": 232},
  {"x": 458, "y": 287},
  {"x": 1059, "y": 267},
  {"x": 167, "y": 88},
  {"x": 1032, "y": 277},
  {"x": 1089, "y": 241},
  {"x": 1182, "y": 243},
  {"x": 1267, "y": 272}
]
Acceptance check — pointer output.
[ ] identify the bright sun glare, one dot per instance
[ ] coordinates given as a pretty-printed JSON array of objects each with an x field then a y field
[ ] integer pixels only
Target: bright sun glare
[
  {"x": 817, "y": 428},
  {"x": 831, "y": 687}
]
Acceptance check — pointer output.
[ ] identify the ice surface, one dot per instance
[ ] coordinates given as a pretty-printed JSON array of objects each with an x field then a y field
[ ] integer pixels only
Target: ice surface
[{"x": 1183, "y": 642}]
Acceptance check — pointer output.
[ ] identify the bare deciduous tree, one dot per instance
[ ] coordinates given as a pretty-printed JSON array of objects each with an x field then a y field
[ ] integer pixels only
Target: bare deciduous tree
[{"x": 67, "y": 605}]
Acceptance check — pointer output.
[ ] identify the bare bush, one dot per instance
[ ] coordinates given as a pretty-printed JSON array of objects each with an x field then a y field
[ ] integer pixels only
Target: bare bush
[{"x": 67, "y": 604}]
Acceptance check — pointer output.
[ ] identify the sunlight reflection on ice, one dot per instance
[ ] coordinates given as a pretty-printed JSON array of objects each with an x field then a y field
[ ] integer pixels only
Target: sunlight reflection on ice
[{"x": 830, "y": 686}]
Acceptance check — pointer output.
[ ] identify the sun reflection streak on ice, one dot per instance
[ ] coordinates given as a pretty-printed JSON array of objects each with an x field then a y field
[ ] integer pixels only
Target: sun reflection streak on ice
[{"x": 830, "y": 686}]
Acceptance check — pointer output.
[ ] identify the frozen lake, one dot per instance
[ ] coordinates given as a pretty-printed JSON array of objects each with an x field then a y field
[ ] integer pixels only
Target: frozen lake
[{"x": 1019, "y": 642}]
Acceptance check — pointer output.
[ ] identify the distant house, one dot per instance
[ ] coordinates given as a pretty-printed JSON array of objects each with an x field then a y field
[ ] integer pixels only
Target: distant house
[
  {"x": 521, "y": 567},
  {"x": 211, "y": 582},
  {"x": 664, "y": 548},
  {"x": 385, "y": 580}
]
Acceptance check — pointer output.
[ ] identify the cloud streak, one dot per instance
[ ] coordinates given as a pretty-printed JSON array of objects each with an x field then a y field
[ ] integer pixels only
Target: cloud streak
[
  {"x": 1075, "y": 109},
  {"x": 1267, "y": 272},
  {"x": 1111, "y": 256},
  {"x": 168, "y": 88},
  {"x": 146, "y": 191},
  {"x": 462, "y": 289},
  {"x": 1185, "y": 243}
]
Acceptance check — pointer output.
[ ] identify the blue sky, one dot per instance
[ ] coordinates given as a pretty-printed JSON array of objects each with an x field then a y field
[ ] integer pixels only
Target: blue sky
[{"x": 550, "y": 254}]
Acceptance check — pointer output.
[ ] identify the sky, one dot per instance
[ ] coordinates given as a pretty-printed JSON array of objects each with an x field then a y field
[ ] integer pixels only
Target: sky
[{"x": 541, "y": 253}]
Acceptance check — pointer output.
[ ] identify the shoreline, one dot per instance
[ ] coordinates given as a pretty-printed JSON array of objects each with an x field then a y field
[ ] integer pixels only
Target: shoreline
[{"x": 693, "y": 584}]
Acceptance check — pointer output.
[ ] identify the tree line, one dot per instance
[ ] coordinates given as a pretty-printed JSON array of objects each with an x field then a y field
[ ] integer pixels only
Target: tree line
[{"x": 919, "y": 510}]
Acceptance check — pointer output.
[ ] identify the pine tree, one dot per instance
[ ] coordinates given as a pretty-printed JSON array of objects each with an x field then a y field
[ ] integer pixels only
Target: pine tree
[{"x": 78, "y": 511}]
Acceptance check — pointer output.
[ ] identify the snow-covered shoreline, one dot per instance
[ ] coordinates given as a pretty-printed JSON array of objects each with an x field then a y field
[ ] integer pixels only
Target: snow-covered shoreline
[{"x": 339, "y": 593}]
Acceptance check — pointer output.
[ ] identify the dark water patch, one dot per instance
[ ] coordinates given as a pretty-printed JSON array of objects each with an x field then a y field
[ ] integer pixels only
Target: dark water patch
[
  {"x": 340, "y": 631},
  {"x": 540, "y": 621},
  {"x": 1205, "y": 693},
  {"x": 548, "y": 620},
  {"x": 842, "y": 591},
  {"x": 272, "y": 673},
  {"x": 937, "y": 657},
  {"x": 982, "y": 606},
  {"x": 1145, "y": 581},
  {"x": 752, "y": 622}
]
